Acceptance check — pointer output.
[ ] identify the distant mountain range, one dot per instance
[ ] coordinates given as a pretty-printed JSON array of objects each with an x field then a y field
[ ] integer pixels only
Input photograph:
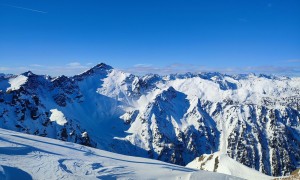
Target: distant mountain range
[{"x": 254, "y": 119}]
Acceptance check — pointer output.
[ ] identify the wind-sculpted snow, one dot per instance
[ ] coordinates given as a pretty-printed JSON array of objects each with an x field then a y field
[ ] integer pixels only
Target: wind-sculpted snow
[
  {"x": 254, "y": 119},
  {"x": 29, "y": 157}
]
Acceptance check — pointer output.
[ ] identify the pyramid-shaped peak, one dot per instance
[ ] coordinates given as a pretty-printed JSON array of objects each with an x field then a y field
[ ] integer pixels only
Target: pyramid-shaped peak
[
  {"x": 169, "y": 93},
  {"x": 102, "y": 66},
  {"x": 28, "y": 73}
]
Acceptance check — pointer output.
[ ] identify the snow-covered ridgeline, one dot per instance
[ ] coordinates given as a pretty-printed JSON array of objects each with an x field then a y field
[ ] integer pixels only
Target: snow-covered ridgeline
[{"x": 173, "y": 118}]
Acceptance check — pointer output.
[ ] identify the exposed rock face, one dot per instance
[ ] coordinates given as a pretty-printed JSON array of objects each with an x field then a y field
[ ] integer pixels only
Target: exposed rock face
[{"x": 255, "y": 119}]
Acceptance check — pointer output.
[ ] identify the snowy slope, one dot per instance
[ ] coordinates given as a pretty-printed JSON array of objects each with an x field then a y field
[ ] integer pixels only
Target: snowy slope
[
  {"x": 17, "y": 82},
  {"x": 31, "y": 157},
  {"x": 175, "y": 118},
  {"x": 219, "y": 162}
]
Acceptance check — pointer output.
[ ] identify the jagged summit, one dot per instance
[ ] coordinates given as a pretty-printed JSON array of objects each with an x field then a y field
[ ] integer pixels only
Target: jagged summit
[
  {"x": 167, "y": 94},
  {"x": 28, "y": 73},
  {"x": 100, "y": 68}
]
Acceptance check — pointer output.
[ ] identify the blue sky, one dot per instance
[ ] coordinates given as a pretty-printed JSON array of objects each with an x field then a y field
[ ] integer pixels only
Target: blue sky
[{"x": 158, "y": 36}]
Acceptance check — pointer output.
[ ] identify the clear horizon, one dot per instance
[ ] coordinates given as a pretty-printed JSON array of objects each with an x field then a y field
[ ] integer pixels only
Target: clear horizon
[
  {"x": 73, "y": 69},
  {"x": 161, "y": 37}
]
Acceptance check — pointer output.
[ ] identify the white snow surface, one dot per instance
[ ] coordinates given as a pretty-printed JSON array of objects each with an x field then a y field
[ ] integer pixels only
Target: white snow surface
[
  {"x": 17, "y": 82},
  {"x": 25, "y": 157},
  {"x": 58, "y": 116},
  {"x": 84, "y": 135},
  {"x": 226, "y": 165}
]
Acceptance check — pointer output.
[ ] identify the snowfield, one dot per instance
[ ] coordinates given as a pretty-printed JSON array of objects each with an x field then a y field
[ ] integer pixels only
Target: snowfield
[
  {"x": 17, "y": 82},
  {"x": 221, "y": 163},
  {"x": 58, "y": 116},
  {"x": 25, "y": 157}
]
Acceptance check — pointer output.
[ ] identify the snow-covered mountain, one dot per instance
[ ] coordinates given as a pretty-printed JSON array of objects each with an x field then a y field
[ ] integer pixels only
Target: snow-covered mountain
[
  {"x": 29, "y": 157},
  {"x": 175, "y": 118}
]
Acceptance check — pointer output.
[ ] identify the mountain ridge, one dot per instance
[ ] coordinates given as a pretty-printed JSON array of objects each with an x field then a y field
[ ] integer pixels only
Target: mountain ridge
[{"x": 170, "y": 118}]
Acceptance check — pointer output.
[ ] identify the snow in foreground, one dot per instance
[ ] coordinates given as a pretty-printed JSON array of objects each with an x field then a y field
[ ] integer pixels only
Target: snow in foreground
[
  {"x": 222, "y": 163},
  {"x": 25, "y": 156}
]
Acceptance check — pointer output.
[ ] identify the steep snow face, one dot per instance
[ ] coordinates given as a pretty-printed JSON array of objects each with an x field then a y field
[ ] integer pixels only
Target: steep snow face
[
  {"x": 173, "y": 130},
  {"x": 222, "y": 163},
  {"x": 116, "y": 86},
  {"x": 176, "y": 118},
  {"x": 31, "y": 157},
  {"x": 17, "y": 82},
  {"x": 58, "y": 117}
]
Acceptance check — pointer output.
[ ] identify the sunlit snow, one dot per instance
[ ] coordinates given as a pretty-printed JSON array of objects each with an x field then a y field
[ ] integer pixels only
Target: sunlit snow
[
  {"x": 222, "y": 163},
  {"x": 17, "y": 82},
  {"x": 57, "y": 116},
  {"x": 25, "y": 157}
]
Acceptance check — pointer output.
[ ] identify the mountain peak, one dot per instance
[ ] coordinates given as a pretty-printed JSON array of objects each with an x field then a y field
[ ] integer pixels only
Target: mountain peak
[
  {"x": 168, "y": 94},
  {"x": 28, "y": 73},
  {"x": 100, "y": 68}
]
